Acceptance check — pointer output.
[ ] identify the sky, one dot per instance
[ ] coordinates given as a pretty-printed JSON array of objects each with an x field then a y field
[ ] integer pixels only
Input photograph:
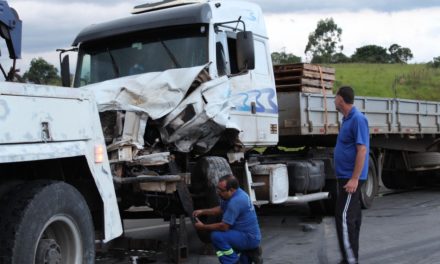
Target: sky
[{"x": 52, "y": 24}]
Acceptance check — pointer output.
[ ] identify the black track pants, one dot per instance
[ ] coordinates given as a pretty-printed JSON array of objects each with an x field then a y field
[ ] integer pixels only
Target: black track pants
[{"x": 348, "y": 218}]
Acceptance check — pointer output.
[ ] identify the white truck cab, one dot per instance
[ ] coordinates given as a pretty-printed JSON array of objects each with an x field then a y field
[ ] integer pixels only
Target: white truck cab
[{"x": 186, "y": 34}]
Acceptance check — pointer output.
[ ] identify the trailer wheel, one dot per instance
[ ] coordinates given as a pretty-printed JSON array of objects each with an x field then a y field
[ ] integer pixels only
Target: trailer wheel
[
  {"x": 371, "y": 186},
  {"x": 395, "y": 174},
  {"x": 204, "y": 182},
  {"x": 46, "y": 222}
]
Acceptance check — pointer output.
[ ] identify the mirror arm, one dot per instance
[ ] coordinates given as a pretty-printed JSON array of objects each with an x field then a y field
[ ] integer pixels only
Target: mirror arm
[{"x": 216, "y": 25}]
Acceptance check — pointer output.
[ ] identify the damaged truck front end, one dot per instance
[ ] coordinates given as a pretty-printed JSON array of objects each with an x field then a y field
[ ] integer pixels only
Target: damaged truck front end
[{"x": 153, "y": 124}]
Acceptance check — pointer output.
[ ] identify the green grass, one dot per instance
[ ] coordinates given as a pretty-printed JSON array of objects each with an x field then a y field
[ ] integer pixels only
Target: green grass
[{"x": 409, "y": 81}]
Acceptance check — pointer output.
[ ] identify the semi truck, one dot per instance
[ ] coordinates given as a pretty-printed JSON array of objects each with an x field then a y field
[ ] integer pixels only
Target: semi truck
[{"x": 162, "y": 104}]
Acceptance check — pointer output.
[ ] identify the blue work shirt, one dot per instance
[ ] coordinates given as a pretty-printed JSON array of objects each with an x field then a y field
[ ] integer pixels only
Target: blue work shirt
[
  {"x": 239, "y": 214},
  {"x": 354, "y": 131}
]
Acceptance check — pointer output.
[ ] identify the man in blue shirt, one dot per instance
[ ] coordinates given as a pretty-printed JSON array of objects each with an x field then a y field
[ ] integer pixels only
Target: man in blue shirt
[
  {"x": 351, "y": 164},
  {"x": 239, "y": 229}
]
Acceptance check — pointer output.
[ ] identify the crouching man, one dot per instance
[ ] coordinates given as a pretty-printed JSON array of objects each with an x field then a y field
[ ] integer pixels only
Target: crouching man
[{"x": 238, "y": 230}]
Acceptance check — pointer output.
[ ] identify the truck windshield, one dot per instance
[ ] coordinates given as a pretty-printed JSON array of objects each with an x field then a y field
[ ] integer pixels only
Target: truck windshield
[{"x": 141, "y": 52}]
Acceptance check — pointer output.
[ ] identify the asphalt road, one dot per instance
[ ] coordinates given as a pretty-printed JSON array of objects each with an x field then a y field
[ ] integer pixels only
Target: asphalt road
[{"x": 401, "y": 227}]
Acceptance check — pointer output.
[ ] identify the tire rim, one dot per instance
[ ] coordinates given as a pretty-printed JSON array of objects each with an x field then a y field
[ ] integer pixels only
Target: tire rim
[
  {"x": 369, "y": 185},
  {"x": 60, "y": 240}
]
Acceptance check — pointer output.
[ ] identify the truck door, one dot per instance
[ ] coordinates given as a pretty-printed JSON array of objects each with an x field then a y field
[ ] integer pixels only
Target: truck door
[
  {"x": 244, "y": 103},
  {"x": 253, "y": 92}
]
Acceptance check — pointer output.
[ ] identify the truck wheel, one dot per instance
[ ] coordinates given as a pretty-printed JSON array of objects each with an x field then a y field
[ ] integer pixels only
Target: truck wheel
[
  {"x": 46, "y": 222},
  {"x": 371, "y": 186},
  {"x": 395, "y": 174},
  {"x": 204, "y": 182}
]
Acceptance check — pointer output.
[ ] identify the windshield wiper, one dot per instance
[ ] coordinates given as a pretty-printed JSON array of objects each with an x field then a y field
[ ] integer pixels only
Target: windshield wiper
[
  {"x": 115, "y": 66},
  {"x": 173, "y": 58}
]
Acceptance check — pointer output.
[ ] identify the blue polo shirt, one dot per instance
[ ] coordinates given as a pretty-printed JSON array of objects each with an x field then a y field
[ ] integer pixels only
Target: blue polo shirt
[
  {"x": 239, "y": 214},
  {"x": 354, "y": 131}
]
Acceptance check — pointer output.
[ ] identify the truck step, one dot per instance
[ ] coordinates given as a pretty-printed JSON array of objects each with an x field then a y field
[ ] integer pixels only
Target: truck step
[
  {"x": 259, "y": 203},
  {"x": 257, "y": 184}
]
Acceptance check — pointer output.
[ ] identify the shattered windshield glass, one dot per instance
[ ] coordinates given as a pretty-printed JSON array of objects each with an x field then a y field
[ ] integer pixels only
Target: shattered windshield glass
[{"x": 142, "y": 52}]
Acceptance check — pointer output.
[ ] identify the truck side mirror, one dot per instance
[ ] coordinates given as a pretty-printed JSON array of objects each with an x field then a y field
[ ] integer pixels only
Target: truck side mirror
[
  {"x": 245, "y": 51},
  {"x": 65, "y": 71}
]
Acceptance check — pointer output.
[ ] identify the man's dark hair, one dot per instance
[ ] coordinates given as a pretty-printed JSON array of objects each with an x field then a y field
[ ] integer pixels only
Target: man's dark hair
[
  {"x": 347, "y": 94},
  {"x": 231, "y": 182}
]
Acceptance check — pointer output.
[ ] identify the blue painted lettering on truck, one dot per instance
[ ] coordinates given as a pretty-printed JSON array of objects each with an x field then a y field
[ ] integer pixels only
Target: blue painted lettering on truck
[{"x": 264, "y": 100}]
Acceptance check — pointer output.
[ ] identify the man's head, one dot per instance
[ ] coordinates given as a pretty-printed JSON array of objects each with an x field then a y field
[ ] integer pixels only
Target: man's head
[
  {"x": 344, "y": 99},
  {"x": 226, "y": 187}
]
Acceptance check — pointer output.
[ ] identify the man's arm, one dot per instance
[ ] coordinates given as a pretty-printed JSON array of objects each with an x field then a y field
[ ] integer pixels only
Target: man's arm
[
  {"x": 222, "y": 226},
  {"x": 352, "y": 184},
  {"x": 211, "y": 211}
]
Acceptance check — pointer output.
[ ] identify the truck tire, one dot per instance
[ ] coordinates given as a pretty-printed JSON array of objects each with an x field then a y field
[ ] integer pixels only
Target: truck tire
[
  {"x": 371, "y": 186},
  {"x": 424, "y": 159},
  {"x": 395, "y": 174},
  {"x": 46, "y": 222},
  {"x": 204, "y": 182},
  {"x": 399, "y": 179}
]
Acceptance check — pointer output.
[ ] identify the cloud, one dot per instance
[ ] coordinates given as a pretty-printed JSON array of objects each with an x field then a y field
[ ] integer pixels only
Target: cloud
[
  {"x": 53, "y": 24},
  {"x": 48, "y": 25},
  {"x": 288, "y": 6}
]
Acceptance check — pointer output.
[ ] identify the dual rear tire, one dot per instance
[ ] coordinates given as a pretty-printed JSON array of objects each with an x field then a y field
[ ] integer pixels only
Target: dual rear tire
[{"x": 45, "y": 222}]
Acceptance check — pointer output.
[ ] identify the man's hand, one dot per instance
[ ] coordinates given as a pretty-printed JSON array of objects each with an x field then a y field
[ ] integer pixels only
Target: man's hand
[
  {"x": 351, "y": 186},
  {"x": 197, "y": 213},
  {"x": 199, "y": 225}
]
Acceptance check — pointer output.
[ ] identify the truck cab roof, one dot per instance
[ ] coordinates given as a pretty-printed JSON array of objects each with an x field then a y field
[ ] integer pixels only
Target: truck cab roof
[
  {"x": 176, "y": 13},
  {"x": 179, "y": 15},
  {"x": 148, "y": 7}
]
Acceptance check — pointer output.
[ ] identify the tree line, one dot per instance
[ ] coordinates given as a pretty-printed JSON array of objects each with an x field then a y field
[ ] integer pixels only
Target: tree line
[{"x": 325, "y": 46}]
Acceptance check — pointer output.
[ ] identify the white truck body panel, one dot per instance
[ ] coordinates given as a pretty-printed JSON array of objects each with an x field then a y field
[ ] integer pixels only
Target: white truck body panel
[
  {"x": 74, "y": 130},
  {"x": 276, "y": 176}
]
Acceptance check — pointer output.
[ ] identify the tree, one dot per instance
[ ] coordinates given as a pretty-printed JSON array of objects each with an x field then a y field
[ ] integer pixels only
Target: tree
[
  {"x": 284, "y": 58},
  {"x": 399, "y": 54},
  {"x": 435, "y": 63},
  {"x": 324, "y": 41},
  {"x": 340, "y": 58},
  {"x": 371, "y": 54},
  {"x": 42, "y": 72}
]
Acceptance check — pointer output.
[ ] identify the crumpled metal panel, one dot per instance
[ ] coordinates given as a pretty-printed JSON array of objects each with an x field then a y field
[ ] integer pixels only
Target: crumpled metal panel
[
  {"x": 199, "y": 119},
  {"x": 194, "y": 121},
  {"x": 153, "y": 159},
  {"x": 154, "y": 93}
]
